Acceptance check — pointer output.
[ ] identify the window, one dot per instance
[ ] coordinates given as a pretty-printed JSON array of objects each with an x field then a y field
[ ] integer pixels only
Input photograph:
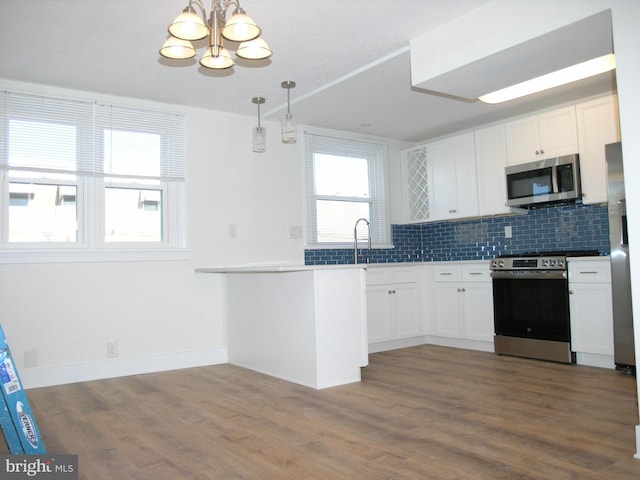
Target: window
[
  {"x": 345, "y": 180},
  {"x": 87, "y": 175}
]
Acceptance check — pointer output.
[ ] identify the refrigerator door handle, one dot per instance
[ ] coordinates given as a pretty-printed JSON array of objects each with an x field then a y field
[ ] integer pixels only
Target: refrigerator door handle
[{"x": 624, "y": 234}]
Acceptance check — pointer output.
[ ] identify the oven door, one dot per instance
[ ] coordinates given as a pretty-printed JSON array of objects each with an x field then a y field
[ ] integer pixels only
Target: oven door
[{"x": 532, "y": 304}]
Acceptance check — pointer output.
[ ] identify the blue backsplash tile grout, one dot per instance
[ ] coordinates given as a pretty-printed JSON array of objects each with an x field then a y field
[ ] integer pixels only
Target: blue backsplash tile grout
[{"x": 567, "y": 228}]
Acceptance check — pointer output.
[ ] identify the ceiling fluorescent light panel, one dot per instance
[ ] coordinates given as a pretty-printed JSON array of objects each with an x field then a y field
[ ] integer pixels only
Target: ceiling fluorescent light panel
[{"x": 570, "y": 74}]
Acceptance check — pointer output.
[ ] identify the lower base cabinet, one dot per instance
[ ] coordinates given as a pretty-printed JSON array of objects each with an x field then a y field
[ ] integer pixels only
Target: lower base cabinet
[
  {"x": 590, "y": 307},
  {"x": 463, "y": 302},
  {"x": 392, "y": 304}
]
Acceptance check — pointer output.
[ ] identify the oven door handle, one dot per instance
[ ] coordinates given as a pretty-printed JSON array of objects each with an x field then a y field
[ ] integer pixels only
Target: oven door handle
[{"x": 530, "y": 275}]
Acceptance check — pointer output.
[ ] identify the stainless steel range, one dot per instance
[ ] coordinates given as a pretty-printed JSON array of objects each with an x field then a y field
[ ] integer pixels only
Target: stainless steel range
[{"x": 531, "y": 306}]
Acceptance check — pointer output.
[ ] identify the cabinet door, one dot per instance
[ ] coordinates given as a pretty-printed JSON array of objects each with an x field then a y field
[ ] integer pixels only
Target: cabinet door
[
  {"x": 558, "y": 133},
  {"x": 478, "y": 311},
  {"x": 405, "y": 316},
  {"x": 441, "y": 174},
  {"x": 598, "y": 124},
  {"x": 522, "y": 138},
  {"x": 379, "y": 313},
  {"x": 462, "y": 156},
  {"x": 448, "y": 311},
  {"x": 591, "y": 318},
  {"x": 491, "y": 158}
]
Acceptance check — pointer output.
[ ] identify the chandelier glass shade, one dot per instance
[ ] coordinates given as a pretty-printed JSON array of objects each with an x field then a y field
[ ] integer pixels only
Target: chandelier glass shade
[{"x": 189, "y": 26}]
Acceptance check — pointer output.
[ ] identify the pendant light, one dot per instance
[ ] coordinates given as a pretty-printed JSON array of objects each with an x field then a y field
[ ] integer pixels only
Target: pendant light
[
  {"x": 259, "y": 132},
  {"x": 289, "y": 127}
]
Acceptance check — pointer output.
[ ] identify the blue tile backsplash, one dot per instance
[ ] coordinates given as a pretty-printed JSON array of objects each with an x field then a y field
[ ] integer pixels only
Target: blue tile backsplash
[{"x": 573, "y": 227}]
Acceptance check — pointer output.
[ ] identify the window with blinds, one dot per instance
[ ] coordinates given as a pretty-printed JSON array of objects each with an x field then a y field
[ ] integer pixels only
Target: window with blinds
[
  {"x": 345, "y": 180},
  {"x": 88, "y": 174}
]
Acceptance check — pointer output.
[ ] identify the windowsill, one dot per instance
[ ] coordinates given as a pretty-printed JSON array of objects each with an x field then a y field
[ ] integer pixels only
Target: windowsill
[{"x": 63, "y": 255}]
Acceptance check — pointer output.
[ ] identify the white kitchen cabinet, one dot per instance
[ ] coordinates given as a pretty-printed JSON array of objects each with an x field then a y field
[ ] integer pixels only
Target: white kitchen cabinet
[
  {"x": 598, "y": 125},
  {"x": 451, "y": 178},
  {"x": 414, "y": 179},
  {"x": 463, "y": 301},
  {"x": 549, "y": 134},
  {"x": 393, "y": 304},
  {"x": 491, "y": 159},
  {"x": 591, "y": 313}
]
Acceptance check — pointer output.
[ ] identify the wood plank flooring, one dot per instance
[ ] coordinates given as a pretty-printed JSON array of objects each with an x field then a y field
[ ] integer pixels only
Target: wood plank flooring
[{"x": 425, "y": 412}]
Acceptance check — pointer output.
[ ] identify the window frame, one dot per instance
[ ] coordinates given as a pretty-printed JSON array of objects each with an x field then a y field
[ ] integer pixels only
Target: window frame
[
  {"x": 377, "y": 156},
  {"x": 91, "y": 244}
]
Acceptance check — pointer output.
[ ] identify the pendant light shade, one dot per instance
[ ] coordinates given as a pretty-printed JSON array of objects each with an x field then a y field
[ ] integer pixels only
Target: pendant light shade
[
  {"x": 241, "y": 28},
  {"x": 256, "y": 49},
  {"x": 177, "y": 49},
  {"x": 289, "y": 125},
  {"x": 189, "y": 26},
  {"x": 259, "y": 132}
]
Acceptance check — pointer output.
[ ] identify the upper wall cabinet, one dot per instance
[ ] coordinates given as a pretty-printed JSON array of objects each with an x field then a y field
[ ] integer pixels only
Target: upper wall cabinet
[
  {"x": 452, "y": 183},
  {"x": 547, "y": 135},
  {"x": 598, "y": 124},
  {"x": 491, "y": 158}
]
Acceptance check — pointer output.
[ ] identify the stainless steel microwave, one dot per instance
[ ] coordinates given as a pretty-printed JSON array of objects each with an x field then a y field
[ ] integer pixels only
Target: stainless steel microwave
[{"x": 544, "y": 182}]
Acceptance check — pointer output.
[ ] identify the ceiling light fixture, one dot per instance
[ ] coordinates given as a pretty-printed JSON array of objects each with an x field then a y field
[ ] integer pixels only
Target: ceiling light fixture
[
  {"x": 189, "y": 26},
  {"x": 289, "y": 127},
  {"x": 554, "y": 79},
  {"x": 259, "y": 132}
]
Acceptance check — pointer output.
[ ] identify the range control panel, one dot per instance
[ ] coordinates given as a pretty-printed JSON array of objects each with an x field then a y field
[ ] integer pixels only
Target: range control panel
[{"x": 529, "y": 263}]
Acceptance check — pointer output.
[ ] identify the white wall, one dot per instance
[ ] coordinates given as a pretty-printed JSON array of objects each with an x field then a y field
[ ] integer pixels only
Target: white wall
[{"x": 161, "y": 313}]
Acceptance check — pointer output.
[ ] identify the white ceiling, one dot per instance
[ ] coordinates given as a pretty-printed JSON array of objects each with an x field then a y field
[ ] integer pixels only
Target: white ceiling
[{"x": 349, "y": 59}]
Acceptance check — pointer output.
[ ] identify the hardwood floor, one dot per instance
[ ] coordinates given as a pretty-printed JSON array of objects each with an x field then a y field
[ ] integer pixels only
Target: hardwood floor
[{"x": 420, "y": 413}]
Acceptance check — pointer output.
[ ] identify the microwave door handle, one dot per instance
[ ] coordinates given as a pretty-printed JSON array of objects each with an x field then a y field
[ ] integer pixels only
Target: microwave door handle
[{"x": 554, "y": 179}]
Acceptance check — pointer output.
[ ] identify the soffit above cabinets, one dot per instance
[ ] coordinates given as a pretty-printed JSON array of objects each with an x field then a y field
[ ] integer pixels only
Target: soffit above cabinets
[{"x": 574, "y": 43}]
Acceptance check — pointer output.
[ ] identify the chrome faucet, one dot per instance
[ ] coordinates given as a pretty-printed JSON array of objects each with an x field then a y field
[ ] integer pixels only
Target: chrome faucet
[{"x": 355, "y": 238}]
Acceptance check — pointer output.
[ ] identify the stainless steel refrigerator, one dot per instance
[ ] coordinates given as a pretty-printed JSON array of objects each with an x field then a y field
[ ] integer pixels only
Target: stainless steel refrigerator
[{"x": 624, "y": 353}]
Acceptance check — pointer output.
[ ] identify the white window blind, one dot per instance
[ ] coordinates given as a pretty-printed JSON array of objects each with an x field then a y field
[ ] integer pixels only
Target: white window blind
[
  {"x": 63, "y": 135},
  {"x": 345, "y": 179},
  {"x": 89, "y": 174}
]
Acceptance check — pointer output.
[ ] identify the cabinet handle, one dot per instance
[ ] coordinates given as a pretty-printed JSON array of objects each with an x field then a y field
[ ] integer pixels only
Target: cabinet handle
[
  {"x": 391, "y": 292},
  {"x": 475, "y": 273},
  {"x": 537, "y": 152},
  {"x": 541, "y": 152},
  {"x": 588, "y": 273},
  {"x": 445, "y": 273},
  {"x": 464, "y": 289},
  {"x": 570, "y": 292}
]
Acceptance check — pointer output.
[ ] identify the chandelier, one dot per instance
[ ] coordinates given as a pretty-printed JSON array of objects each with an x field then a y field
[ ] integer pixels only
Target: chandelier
[{"x": 190, "y": 26}]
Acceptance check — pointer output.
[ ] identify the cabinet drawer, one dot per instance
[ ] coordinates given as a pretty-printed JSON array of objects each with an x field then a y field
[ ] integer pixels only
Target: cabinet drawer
[
  {"x": 447, "y": 274},
  {"x": 476, "y": 273},
  {"x": 385, "y": 275},
  {"x": 597, "y": 271}
]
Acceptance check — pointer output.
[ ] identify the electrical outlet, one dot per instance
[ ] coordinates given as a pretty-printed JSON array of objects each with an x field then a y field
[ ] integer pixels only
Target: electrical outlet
[
  {"x": 508, "y": 232},
  {"x": 112, "y": 349},
  {"x": 30, "y": 358}
]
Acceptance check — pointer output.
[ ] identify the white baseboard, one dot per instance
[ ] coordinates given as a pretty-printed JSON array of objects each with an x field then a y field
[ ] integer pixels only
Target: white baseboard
[
  {"x": 119, "y": 367},
  {"x": 395, "y": 344},
  {"x": 467, "y": 344},
  {"x": 595, "y": 360}
]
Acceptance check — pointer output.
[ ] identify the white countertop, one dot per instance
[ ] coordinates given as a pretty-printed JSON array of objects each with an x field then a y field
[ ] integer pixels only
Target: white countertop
[
  {"x": 278, "y": 268},
  {"x": 301, "y": 268}
]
